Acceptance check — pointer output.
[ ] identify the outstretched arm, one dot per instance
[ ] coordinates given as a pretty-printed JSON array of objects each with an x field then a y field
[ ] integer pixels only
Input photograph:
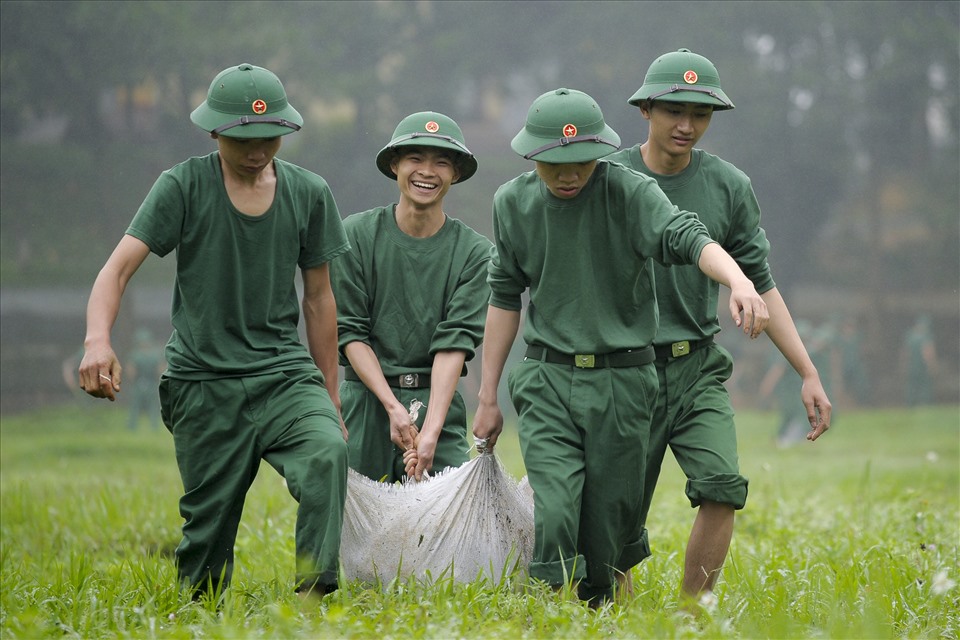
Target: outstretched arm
[
  {"x": 717, "y": 264},
  {"x": 498, "y": 335},
  {"x": 783, "y": 333},
  {"x": 100, "y": 369}
]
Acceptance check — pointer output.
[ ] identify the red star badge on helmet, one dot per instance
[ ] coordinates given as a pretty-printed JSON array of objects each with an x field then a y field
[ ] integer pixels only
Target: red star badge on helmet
[
  {"x": 432, "y": 127},
  {"x": 569, "y": 130},
  {"x": 690, "y": 77},
  {"x": 259, "y": 107}
]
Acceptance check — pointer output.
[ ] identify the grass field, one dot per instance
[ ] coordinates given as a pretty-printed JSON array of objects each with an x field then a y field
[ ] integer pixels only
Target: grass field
[{"x": 855, "y": 536}]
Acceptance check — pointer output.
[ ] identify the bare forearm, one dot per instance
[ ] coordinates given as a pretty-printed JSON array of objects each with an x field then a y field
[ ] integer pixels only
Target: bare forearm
[
  {"x": 100, "y": 371},
  {"x": 367, "y": 367},
  {"x": 499, "y": 333},
  {"x": 783, "y": 333},
  {"x": 717, "y": 265},
  {"x": 444, "y": 376},
  {"x": 747, "y": 308},
  {"x": 320, "y": 317},
  {"x": 103, "y": 307}
]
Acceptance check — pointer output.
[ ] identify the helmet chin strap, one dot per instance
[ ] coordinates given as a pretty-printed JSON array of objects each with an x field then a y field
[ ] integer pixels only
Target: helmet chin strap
[
  {"x": 677, "y": 87},
  {"x": 242, "y": 120},
  {"x": 419, "y": 134},
  {"x": 562, "y": 142}
]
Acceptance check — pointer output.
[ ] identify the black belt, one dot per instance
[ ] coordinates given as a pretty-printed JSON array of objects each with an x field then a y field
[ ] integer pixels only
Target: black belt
[
  {"x": 628, "y": 358},
  {"x": 682, "y": 348},
  {"x": 403, "y": 381}
]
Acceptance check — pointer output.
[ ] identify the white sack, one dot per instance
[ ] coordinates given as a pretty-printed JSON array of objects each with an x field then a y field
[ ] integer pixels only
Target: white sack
[{"x": 469, "y": 520}]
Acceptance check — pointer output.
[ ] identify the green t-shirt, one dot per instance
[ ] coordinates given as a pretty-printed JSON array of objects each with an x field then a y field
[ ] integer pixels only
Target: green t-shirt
[
  {"x": 235, "y": 305},
  {"x": 587, "y": 260},
  {"x": 408, "y": 298},
  {"x": 723, "y": 199}
]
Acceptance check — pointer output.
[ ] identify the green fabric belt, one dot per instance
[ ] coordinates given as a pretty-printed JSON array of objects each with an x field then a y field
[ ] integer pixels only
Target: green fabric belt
[
  {"x": 628, "y": 358},
  {"x": 403, "y": 381},
  {"x": 682, "y": 348}
]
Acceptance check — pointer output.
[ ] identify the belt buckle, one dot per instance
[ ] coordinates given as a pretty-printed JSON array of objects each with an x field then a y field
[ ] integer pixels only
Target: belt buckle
[
  {"x": 585, "y": 361},
  {"x": 409, "y": 380},
  {"x": 679, "y": 349}
]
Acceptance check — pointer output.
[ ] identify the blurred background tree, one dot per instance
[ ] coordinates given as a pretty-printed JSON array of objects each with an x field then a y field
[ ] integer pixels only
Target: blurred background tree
[{"x": 847, "y": 121}]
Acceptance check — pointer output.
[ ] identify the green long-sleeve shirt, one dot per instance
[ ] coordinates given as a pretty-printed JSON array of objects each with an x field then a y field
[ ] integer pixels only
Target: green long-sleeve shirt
[
  {"x": 723, "y": 199},
  {"x": 587, "y": 260},
  {"x": 407, "y": 297}
]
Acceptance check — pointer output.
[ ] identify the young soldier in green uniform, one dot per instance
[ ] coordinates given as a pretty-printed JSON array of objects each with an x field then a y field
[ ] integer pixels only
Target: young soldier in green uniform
[
  {"x": 411, "y": 299},
  {"x": 694, "y": 416},
  {"x": 580, "y": 234},
  {"x": 240, "y": 386}
]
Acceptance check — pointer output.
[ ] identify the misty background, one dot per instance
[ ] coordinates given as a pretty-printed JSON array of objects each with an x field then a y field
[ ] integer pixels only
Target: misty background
[{"x": 847, "y": 120}]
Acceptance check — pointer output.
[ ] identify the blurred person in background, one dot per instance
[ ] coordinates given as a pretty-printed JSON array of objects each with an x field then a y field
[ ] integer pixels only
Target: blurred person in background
[
  {"x": 240, "y": 386},
  {"x": 412, "y": 297},
  {"x": 146, "y": 366},
  {"x": 579, "y": 234},
  {"x": 920, "y": 361},
  {"x": 694, "y": 415},
  {"x": 852, "y": 377}
]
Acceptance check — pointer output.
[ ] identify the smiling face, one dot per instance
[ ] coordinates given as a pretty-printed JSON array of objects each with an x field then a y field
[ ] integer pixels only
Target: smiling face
[
  {"x": 566, "y": 180},
  {"x": 246, "y": 158},
  {"x": 424, "y": 174}
]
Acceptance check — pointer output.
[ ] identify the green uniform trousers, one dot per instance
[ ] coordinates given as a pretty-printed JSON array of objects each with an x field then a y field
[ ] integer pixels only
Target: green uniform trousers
[
  {"x": 694, "y": 418},
  {"x": 221, "y": 430},
  {"x": 373, "y": 454},
  {"x": 583, "y": 435}
]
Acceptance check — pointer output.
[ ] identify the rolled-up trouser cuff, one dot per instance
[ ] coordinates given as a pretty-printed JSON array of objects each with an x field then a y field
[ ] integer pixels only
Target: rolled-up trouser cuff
[
  {"x": 559, "y": 572},
  {"x": 634, "y": 553}
]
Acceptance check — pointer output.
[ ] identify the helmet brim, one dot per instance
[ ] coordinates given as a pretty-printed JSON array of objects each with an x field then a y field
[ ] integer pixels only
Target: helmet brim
[
  {"x": 467, "y": 164},
  {"x": 598, "y": 146},
  {"x": 675, "y": 93},
  {"x": 277, "y": 123}
]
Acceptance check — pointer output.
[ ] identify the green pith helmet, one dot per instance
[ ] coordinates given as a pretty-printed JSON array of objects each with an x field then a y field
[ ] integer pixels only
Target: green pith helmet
[
  {"x": 683, "y": 76},
  {"x": 565, "y": 125},
  {"x": 247, "y": 102},
  {"x": 428, "y": 129}
]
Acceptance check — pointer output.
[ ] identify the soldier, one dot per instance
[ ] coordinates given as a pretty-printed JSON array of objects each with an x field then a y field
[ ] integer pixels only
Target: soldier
[
  {"x": 240, "y": 386},
  {"x": 694, "y": 416},
  {"x": 579, "y": 234},
  {"x": 412, "y": 297}
]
